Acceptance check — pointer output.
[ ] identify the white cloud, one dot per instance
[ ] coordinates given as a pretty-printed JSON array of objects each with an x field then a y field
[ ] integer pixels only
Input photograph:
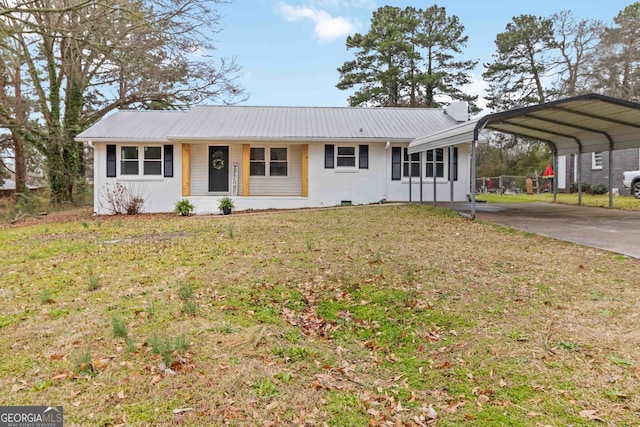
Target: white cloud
[{"x": 326, "y": 27}]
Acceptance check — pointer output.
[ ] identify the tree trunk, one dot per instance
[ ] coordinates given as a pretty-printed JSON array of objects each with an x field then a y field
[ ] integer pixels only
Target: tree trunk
[{"x": 20, "y": 162}]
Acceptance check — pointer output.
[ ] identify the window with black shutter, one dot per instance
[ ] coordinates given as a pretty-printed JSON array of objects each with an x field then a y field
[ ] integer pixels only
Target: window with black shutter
[
  {"x": 168, "y": 161},
  {"x": 363, "y": 160},
  {"x": 396, "y": 163},
  {"x": 111, "y": 161},
  {"x": 328, "y": 156}
]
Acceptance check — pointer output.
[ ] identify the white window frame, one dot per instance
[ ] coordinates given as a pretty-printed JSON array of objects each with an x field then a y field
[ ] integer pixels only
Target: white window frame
[
  {"x": 263, "y": 161},
  {"x": 286, "y": 162},
  {"x": 597, "y": 160},
  {"x": 354, "y": 156},
  {"x": 140, "y": 160},
  {"x": 268, "y": 161},
  {"x": 159, "y": 160}
]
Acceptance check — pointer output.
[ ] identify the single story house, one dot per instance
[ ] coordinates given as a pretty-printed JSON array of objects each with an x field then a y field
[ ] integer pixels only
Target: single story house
[{"x": 275, "y": 157}]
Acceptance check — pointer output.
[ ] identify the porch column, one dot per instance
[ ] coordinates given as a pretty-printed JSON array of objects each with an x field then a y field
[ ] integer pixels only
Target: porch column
[
  {"x": 304, "y": 191},
  {"x": 186, "y": 170},
  {"x": 246, "y": 169}
]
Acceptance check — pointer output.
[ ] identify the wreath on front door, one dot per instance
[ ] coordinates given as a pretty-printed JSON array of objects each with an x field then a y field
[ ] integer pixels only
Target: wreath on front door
[{"x": 218, "y": 160}]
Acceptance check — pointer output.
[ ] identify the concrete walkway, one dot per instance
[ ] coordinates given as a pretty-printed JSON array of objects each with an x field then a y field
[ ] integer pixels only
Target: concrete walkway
[{"x": 613, "y": 230}]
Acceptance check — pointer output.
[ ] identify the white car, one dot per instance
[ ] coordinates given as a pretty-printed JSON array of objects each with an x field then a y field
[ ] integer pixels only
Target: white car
[{"x": 631, "y": 180}]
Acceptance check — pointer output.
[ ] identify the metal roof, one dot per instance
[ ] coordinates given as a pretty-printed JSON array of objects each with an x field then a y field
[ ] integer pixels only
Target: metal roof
[
  {"x": 133, "y": 125},
  {"x": 458, "y": 134},
  {"x": 582, "y": 124},
  {"x": 271, "y": 123}
]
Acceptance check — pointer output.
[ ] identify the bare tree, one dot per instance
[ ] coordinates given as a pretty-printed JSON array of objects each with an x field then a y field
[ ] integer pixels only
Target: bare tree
[{"x": 82, "y": 59}]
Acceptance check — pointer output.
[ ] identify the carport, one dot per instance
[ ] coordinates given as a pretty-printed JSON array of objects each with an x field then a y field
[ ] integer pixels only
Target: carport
[{"x": 577, "y": 125}]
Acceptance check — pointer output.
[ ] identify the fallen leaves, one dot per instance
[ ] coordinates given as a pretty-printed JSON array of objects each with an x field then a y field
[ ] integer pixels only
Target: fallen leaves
[{"x": 591, "y": 414}]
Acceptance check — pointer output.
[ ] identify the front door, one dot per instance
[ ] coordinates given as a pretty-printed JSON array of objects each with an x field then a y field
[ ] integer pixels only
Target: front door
[{"x": 219, "y": 169}]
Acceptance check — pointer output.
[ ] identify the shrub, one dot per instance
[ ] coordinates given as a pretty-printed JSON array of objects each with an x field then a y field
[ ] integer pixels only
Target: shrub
[
  {"x": 184, "y": 207},
  {"x": 585, "y": 187},
  {"x": 120, "y": 199},
  {"x": 598, "y": 189}
]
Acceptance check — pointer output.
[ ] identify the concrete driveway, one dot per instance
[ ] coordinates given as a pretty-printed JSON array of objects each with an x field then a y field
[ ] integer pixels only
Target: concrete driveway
[{"x": 613, "y": 230}]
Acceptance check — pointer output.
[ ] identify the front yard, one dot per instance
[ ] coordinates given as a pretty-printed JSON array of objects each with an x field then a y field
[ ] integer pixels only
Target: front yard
[{"x": 377, "y": 315}]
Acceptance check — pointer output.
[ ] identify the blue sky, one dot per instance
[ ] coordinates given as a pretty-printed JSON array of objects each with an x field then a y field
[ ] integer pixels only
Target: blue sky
[{"x": 290, "y": 49}]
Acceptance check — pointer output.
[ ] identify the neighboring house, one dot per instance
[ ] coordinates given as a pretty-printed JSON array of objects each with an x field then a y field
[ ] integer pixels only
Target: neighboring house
[
  {"x": 275, "y": 157},
  {"x": 34, "y": 182},
  {"x": 595, "y": 168}
]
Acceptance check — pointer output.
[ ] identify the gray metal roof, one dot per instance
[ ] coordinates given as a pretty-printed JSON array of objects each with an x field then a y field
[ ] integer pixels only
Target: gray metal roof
[
  {"x": 458, "y": 134},
  {"x": 584, "y": 123},
  {"x": 133, "y": 125},
  {"x": 271, "y": 123}
]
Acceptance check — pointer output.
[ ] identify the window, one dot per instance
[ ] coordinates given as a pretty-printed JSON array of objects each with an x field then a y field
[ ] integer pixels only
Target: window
[
  {"x": 596, "y": 160},
  {"x": 415, "y": 164},
  {"x": 152, "y": 160},
  {"x": 278, "y": 162},
  {"x": 257, "y": 162},
  {"x": 435, "y": 161},
  {"x": 346, "y": 157},
  {"x": 129, "y": 161}
]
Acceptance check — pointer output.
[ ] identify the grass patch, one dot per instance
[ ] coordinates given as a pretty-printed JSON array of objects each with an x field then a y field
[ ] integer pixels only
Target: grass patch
[{"x": 350, "y": 316}]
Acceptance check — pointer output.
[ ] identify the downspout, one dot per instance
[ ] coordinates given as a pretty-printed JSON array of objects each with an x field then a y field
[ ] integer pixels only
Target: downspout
[
  {"x": 451, "y": 177},
  {"x": 410, "y": 167},
  {"x": 420, "y": 173}
]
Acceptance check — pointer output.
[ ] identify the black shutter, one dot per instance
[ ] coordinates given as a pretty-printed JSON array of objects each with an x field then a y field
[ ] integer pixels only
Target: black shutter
[
  {"x": 396, "y": 163},
  {"x": 168, "y": 161},
  {"x": 111, "y": 161},
  {"x": 363, "y": 162},
  {"x": 328, "y": 156},
  {"x": 455, "y": 163}
]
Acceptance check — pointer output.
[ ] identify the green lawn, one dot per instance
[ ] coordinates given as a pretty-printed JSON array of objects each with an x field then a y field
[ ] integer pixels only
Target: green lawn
[
  {"x": 619, "y": 202},
  {"x": 377, "y": 315}
]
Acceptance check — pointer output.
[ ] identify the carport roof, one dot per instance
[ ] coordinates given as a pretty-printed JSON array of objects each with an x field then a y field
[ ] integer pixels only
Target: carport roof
[{"x": 581, "y": 124}]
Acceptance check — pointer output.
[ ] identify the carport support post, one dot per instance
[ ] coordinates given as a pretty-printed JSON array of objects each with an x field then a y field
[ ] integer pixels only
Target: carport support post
[
  {"x": 555, "y": 176},
  {"x": 473, "y": 173},
  {"x": 580, "y": 177},
  {"x": 410, "y": 167},
  {"x": 420, "y": 172},
  {"x": 610, "y": 175}
]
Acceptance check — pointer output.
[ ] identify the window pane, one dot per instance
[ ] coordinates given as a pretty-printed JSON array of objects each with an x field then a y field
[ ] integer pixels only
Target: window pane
[
  {"x": 429, "y": 170},
  {"x": 430, "y": 156},
  {"x": 347, "y": 161},
  {"x": 152, "y": 153},
  {"x": 439, "y": 155},
  {"x": 257, "y": 169},
  {"x": 152, "y": 167},
  {"x": 278, "y": 154},
  {"x": 278, "y": 169},
  {"x": 346, "y": 151},
  {"x": 440, "y": 170},
  {"x": 129, "y": 167},
  {"x": 415, "y": 169},
  {"x": 129, "y": 153},
  {"x": 257, "y": 154}
]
